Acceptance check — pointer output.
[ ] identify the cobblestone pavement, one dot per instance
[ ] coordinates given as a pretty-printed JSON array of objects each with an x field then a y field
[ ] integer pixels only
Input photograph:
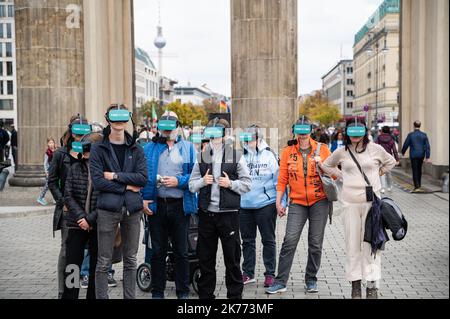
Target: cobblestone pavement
[{"x": 417, "y": 267}]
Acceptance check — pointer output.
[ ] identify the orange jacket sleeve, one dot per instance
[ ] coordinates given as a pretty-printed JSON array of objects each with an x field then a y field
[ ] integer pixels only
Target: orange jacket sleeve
[{"x": 283, "y": 177}]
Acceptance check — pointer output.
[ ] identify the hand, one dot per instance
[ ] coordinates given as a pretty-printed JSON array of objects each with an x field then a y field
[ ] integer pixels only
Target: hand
[
  {"x": 318, "y": 159},
  {"x": 225, "y": 181},
  {"x": 134, "y": 189},
  {"x": 281, "y": 211},
  {"x": 398, "y": 163},
  {"x": 428, "y": 161},
  {"x": 84, "y": 225},
  {"x": 169, "y": 182},
  {"x": 147, "y": 210},
  {"x": 209, "y": 179},
  {"x": 109, "y": 176}
]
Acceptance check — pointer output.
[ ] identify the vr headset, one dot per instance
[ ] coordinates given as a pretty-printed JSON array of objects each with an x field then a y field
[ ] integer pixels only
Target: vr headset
[
  {"x": 214, "y": 132},
  {"x": 302, "y": 128},
  {"x": 168, "y": 123},
  {"x": 356, "y": 129},
  {"x": 197, "y": 138},
  {"x": 82, "y": 146},
  {"x": 119, "y": 116},
  {"x": 247, "y": 137}
]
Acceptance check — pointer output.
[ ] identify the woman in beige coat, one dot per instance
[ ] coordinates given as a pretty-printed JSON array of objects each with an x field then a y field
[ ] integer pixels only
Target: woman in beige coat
[{"x": 375, "y": 162}]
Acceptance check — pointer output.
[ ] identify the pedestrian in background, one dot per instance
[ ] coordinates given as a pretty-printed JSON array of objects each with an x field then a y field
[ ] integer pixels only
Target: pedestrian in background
[
  {"x": 14, "y": 145},
  {"x": 338, "y": 142},
  {"x": 48, "y": 157},
  {"x": 4, "y": 140},
  {"x": 419, "y": 152},
  {"x": 386, "y": 140}
]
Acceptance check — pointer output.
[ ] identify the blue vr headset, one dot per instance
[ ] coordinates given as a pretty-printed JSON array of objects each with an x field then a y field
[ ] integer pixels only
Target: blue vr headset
[
  {"x": 356, "y": 129},
  {"x": 119, "y": 116},
  {"x": 302, "y": 128},
  {"x": 247, "y": 137},
  {"x": 197, "y": 138},
  {"x": 214, "y": 132}
]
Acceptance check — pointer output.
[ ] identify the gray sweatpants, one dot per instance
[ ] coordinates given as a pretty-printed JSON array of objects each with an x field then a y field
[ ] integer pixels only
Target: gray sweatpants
[
  {"x": 130, "y": 227},
  {"x": 297, "y": 217}
]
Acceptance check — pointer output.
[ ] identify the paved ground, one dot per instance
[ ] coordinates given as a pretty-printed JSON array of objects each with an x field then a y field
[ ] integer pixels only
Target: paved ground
[{"x": 417, "y": 267}]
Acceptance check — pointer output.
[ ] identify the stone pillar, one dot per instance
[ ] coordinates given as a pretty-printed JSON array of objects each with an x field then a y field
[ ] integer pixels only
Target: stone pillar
[
  {"x": 425, "y": 75},
  {"x": 73, "y": 56},
  {"x": 264, "y": 66},
  {"x": 109, "y": 55},
  {"x": 50, "y": 79}
]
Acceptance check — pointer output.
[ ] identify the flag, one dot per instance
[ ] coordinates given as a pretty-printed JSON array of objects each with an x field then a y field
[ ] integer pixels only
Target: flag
[
  {"x": 223, "y": 107},
  {"x": 154, "y": 115}
]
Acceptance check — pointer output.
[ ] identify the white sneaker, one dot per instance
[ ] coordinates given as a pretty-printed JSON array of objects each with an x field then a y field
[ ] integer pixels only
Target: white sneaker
[{"x": 383, "y": 191}]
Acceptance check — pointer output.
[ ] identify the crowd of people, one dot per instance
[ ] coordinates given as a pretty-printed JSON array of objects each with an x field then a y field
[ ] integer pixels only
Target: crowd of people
[{"x": 104, "y": 181}]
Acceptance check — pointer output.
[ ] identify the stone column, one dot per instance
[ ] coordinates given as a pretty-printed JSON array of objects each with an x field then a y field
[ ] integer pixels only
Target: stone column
[
  {"x": 425, "y": 75},
  {"x": 264, "y": 65},
  {"x": 50, "y": 78},
  {"x": 73, "y": 56},
  {"x": 109, "y": 55}
]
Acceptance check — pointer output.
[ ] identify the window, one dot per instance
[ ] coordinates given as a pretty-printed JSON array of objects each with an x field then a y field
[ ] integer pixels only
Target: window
[
  {"x": 2, "y": 11},
  {"x": 11, "y": 11},
  {"x": 349, "y": 105},
  {"x": 1, "y": 68},
  {"x": 9, "y": 69},
  {"x": 350, "y": 93},
  {"x": 9, "y": 31},
  {"x": 1, "y": 86},
  {"x": 10, "y": 87},
  {"x": 369, "y": 75},
  {"x": 6, "y": 105},
  {"x": 349, "y": 82},
  {"x": 1, "y": 31},
  {"x": 369, "y": 90},
  {"x": 350, "y": 70},
  {"x": 9, "y": 50}
]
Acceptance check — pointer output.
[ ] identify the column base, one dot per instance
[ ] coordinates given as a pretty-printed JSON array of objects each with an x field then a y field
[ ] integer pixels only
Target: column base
[{"x": 28, "y": 176}]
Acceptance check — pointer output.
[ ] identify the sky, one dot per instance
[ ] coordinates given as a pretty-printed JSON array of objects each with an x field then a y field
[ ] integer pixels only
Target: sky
[{"x": 198, "y": 38}]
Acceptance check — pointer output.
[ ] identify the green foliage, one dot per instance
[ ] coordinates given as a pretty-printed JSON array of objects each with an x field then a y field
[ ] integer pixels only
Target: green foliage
[{"x": 320, "y": 110}]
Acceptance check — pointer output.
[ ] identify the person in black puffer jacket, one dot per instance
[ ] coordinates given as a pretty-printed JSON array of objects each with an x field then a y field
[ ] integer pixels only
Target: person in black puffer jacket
[{"x": 81, "y": 202}]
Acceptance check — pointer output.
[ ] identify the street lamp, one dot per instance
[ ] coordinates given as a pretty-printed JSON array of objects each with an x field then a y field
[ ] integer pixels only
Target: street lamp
[{"x": 370, "y": 50}]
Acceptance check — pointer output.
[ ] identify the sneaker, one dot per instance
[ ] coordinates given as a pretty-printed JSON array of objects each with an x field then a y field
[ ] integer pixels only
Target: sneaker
[
  {"x": 247, "y": 279},
  {"x": 390, "y": 190},
  {"x": 383, "y": 191},
  {"x": 371, "y": 293},
  {"x": 311, "y": 287},
  {"x": 356, "y": 289},
  {"x": 111, "y": 281},
  {"x": 42, "y": 201},
  {"x": 276, "y": 289},
  {"x": 270, "y": 280},
  {"x": 84, "y": 282}
]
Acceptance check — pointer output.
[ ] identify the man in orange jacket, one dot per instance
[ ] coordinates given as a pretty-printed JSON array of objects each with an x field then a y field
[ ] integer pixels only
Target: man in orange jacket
[{"x": 308, "y": 202}]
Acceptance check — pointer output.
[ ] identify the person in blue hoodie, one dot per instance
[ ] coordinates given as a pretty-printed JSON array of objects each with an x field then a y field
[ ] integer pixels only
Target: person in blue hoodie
[
  {"x": 258, "y": 208},
  {"x": 168, "y": 202}
]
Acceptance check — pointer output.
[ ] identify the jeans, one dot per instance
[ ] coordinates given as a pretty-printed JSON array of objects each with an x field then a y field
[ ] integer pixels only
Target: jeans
[
  {"x": 317, "y": 215},
  {"x": 265, "y": 220},
  {"x": 416, "y": 165},
  {"x": 86, "y": 262},
  {"x": 211, "y": 227},
  {"x": 169, "y": 221},
  {"x": 75, "y": 247},
  {"x": 130, "y": 226}
]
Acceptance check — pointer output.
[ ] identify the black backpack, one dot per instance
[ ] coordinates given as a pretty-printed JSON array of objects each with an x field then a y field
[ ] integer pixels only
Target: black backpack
[{"x": 393, "y": 219}]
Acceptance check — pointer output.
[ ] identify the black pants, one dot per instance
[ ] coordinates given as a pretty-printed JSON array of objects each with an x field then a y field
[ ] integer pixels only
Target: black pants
[
  {"x": 75, "y": 245},
  {"x": 169, "y": 221},
  {"x": 416, "y": 164},
  {"x": 211, "y": 227}
]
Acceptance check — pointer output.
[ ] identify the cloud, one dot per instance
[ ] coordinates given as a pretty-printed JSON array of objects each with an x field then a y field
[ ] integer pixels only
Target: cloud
[{"x": 198, "y": 33}]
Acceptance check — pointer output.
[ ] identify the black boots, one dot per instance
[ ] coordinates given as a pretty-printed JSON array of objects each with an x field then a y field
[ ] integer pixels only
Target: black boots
[
  {"x": 372, "y": 293},
  {"x": 356, "y": 289}
]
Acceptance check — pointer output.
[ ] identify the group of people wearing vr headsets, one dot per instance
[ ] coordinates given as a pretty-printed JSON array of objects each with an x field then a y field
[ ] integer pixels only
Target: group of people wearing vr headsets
[{"x": 101, "y": 181}]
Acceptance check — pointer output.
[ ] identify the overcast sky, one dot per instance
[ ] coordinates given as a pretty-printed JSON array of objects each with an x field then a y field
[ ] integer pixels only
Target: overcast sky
[{"x": 198, "y": 38}]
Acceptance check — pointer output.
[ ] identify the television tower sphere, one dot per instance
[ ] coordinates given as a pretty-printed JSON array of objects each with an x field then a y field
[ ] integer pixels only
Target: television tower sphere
[{"x": 160, "y": 42}]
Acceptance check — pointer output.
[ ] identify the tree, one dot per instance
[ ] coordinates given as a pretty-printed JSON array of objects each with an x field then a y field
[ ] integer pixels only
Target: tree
[
  {"x": 188, "y": 113},
  {"x": 319, "y": 109}
]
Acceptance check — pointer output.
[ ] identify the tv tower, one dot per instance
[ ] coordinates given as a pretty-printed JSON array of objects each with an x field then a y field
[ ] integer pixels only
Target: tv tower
[{"x": 160, "y": 43}]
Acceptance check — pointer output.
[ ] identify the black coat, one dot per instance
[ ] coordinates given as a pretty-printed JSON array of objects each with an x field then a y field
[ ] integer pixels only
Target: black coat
[
  {"x": 113, "y": 194},
  {"x": 75, "y": 195},
  {"x": 57, "y": 174}
]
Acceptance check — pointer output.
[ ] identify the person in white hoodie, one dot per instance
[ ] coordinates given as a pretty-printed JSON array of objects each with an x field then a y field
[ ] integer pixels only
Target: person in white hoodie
[{"x": 258, "y": 208}]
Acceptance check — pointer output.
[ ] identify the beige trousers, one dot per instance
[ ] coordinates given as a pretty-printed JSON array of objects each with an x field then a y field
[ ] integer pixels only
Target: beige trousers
[{"x": 360, "y": 263}]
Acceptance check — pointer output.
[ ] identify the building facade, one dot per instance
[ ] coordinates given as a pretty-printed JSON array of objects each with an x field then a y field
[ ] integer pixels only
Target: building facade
[
  {"x": 167, "y": 90},
  {"x": 338, "y": 86},
  {"x": 425, "y": 76},
  {"x": 190, "y": 94},
  {"x": 376, "y": 65},
  {"x": 147, "y": 84},
  {"x": 8, "y": 78}
]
